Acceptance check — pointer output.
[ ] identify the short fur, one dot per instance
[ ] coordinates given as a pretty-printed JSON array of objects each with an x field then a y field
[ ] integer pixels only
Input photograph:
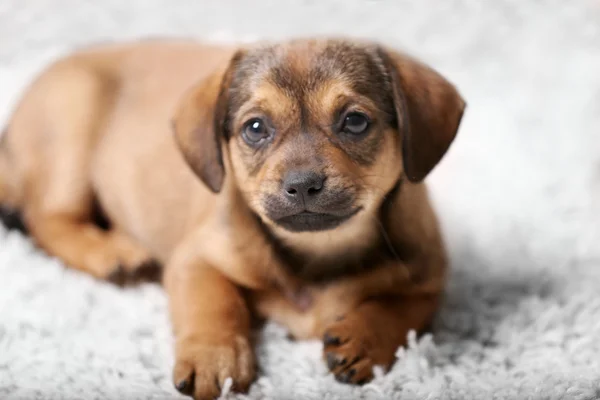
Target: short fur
[{"x": 151, "y": 137}]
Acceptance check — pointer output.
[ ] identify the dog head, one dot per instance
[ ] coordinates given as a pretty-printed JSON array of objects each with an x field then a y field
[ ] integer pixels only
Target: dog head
[{"x": 315, "y": 133}]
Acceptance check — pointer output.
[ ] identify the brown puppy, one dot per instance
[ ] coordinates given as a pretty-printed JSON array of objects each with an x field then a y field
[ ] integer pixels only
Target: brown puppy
[{"x": 303, "y": 203}]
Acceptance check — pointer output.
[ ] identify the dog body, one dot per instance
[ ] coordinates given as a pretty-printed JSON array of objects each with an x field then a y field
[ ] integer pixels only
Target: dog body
[
  {"x": 125, "y": 97},
  {"x": 291, "y": 190}
]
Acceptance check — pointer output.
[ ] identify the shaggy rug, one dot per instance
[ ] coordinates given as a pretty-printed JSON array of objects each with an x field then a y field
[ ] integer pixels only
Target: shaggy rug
[{"x": 518, "y": 196}]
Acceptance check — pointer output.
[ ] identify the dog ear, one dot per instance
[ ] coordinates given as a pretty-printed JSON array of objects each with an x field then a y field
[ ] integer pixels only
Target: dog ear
[
  {"x": 200, "y": 124},
  {"x": 429, "y": 110}
]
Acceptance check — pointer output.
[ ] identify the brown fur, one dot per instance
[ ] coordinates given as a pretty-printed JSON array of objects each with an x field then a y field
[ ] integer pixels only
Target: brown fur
[{"x": 91, "y": 137}]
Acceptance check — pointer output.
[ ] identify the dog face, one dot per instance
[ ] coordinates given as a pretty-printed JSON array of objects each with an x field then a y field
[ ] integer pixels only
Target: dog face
[
  {"x": 312, "y": 137},
  {"x": 317, "y": 132}
]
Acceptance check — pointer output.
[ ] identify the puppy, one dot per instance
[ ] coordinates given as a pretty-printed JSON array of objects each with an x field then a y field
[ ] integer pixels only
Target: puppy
[{"x": 279, "y": 181}]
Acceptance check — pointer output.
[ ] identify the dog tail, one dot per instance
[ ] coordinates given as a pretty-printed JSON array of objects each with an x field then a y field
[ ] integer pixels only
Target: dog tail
[{"x": 10, "y": 216}]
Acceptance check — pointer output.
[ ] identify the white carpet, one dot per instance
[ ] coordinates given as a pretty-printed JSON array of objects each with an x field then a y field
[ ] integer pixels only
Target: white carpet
[{"x": 519, "y": 197}]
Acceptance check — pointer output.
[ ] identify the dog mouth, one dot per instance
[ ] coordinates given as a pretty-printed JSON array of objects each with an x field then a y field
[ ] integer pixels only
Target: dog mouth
[{"x": 307, "y": 221}]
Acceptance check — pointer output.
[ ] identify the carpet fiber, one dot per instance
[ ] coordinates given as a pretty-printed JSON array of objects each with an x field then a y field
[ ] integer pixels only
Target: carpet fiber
[{"x": 518, "y": 196}]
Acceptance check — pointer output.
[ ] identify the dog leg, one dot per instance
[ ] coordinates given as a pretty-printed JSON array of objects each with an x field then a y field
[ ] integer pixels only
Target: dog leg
[
  {"x": 371, "y": 334},
  {"x": 277, "y": 307},
  {"x": 212, "y": 326},
  {"x": 59, "y": 200},
  {"x": 83, "y": 246}
]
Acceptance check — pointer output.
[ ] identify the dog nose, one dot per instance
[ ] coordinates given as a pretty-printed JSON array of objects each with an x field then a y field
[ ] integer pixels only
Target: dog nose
[{"x": 302, "y": 185}]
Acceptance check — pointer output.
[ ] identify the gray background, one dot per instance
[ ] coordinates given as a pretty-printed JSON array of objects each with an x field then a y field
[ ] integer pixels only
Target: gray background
[{"x": 518, "y": 195}]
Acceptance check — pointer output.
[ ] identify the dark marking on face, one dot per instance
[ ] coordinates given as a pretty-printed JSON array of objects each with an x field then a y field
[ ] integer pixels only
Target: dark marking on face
[
  {"x": 362, "y": 151},
  {"x": 378, "y": 252},
  {"x": 357, "y": 67},
  {"x": 254, "y": 158},
  {"x": 314, "y": 222},
  {"x": 362, "y": 68},
  {"x": 305, "y": 91},
  {"x": 334, "y": 203}
]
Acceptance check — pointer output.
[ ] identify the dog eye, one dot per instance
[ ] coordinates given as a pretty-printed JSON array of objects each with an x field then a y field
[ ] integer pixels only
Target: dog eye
[
  {"x": 255, "y": 130},
  {"x": 355, "y": 123}
]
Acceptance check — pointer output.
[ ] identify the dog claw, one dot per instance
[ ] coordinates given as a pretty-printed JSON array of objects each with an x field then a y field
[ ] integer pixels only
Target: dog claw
[
  {"x": 185, "y": 386},
  {"x": 329, "y": 340},
  {"x": 333, "y": 360},
  {"x": 347, "y": 376}
]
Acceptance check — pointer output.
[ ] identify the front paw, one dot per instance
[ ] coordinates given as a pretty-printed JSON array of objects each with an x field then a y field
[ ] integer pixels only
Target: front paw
[
  {"x": 205, "y": 362},
  {"x": 351, "y": 349}
]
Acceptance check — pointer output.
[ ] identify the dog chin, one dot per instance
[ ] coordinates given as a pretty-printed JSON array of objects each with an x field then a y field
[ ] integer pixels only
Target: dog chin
[{"x": 313, "y": 222}]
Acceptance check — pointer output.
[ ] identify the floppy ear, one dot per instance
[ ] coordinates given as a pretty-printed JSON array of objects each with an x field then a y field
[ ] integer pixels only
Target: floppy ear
[
  {"x": 429, "y": 110},
  {"x": 200, "y": 124}
]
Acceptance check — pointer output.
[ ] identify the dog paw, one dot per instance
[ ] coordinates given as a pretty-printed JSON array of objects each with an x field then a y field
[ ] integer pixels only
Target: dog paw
[
  {"x": 203, "y": 364},
  {"x": 351, "y": 350}
]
